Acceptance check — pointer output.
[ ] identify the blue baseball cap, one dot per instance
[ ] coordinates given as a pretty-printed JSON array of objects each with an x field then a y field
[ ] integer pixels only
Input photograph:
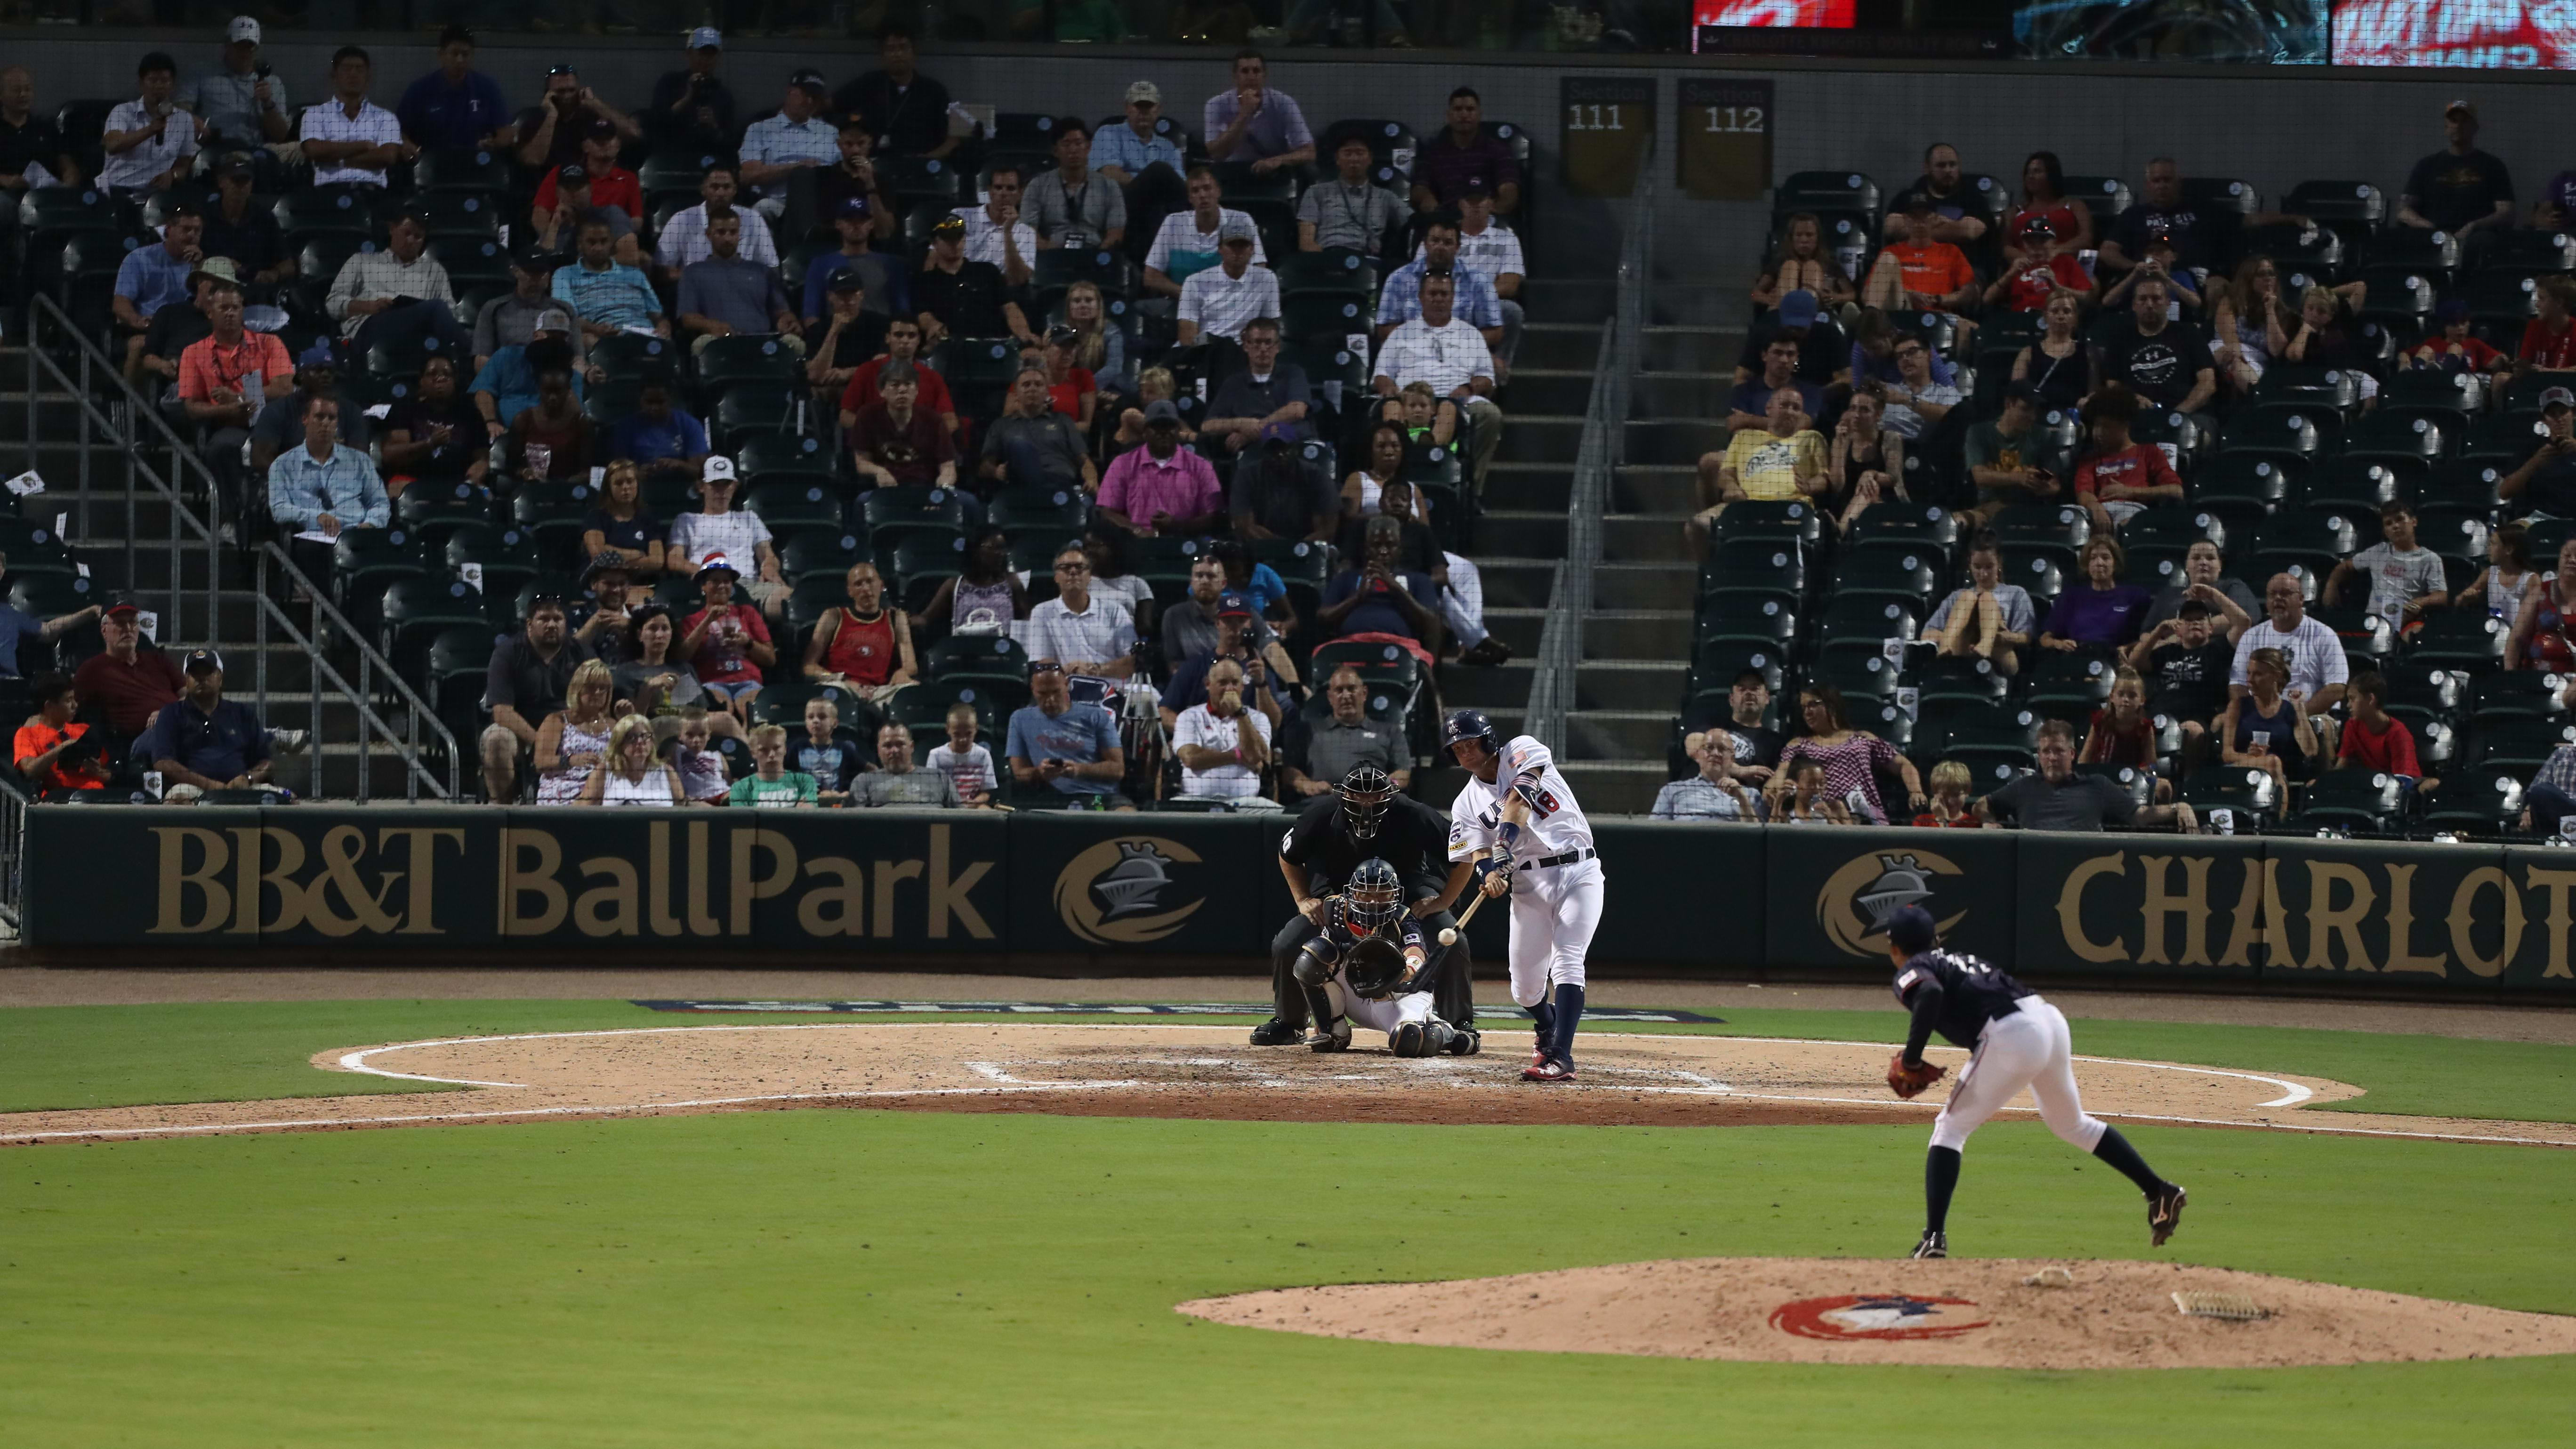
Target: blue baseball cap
[
  {"x": 1798, "y": 309},
  {"x": 1233, "y": 605}
]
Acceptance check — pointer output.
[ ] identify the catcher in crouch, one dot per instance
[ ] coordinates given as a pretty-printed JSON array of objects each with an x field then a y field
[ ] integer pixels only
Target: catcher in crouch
[{"x": 1367, "y": 964}]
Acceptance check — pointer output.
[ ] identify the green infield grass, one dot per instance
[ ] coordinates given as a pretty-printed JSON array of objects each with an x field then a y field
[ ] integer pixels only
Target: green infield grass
[{"x": 830, "y": 1278}]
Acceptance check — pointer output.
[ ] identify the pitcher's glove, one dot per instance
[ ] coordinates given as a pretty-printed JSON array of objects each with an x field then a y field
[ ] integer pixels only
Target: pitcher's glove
[{"x": 1909, "y": 1082}]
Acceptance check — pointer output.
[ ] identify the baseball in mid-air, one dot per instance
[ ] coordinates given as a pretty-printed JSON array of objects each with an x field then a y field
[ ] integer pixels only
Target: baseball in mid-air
[{"x": 1448, "y": 935}]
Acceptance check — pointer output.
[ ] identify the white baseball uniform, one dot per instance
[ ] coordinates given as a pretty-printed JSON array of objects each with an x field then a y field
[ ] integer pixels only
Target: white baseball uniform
[
  {"x": 1384, "y": 1014},
  {"x": 1556, "y": 872}
]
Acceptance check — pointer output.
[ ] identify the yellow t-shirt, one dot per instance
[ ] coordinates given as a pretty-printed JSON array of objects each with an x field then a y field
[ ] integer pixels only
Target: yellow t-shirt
[{"x": 1767, "y": 468}]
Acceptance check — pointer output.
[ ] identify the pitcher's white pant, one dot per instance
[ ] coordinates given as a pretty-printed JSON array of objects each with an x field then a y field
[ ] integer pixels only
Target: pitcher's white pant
[
  {"x": 2030, "y": 1048},
  {"x": 1554, "y": 913},
  {"x": 1384, "y": 1014}
]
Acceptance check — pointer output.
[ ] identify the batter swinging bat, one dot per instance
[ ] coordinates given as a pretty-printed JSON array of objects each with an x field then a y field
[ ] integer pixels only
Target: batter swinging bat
[{"x": 1449, "y": 934}]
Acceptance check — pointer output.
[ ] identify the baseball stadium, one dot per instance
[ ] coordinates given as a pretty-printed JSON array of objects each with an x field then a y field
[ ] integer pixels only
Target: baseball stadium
[{"x": 1632, "y": 720}]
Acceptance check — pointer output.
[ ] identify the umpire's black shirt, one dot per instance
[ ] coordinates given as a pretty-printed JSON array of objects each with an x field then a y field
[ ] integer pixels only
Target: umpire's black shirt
[{"x": 1414, "y": 838}]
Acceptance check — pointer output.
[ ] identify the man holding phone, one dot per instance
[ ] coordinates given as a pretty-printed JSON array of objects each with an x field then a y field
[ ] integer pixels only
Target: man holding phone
[
  {"x": 243, "y": 103},
  {"x": 2009, "y": 459}
]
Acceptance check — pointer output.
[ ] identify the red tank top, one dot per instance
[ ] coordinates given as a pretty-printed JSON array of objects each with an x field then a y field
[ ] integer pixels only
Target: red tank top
[{"x": 862, "y": 649}]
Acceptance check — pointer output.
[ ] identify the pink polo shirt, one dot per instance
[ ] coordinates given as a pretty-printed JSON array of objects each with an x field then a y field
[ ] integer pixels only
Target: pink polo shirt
[{"x": 1141, "y": 485}]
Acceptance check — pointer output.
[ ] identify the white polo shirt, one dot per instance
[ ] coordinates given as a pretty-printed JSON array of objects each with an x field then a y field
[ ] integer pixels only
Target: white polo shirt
[
  {"x": 331, "y": 121},
  {"x": 1221, "y": 304},
  {"x": 1102, "y": 632},
  {"x": 150, "y": 158},
  {"x": 2316, "y": 654},
  {"x": 1445, "y": 357},
  {"x": 1198, "y": 725}
]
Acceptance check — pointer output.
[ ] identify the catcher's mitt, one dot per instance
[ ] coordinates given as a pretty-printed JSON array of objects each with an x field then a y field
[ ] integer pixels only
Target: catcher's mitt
[{"x": 1907, "y": 1081}]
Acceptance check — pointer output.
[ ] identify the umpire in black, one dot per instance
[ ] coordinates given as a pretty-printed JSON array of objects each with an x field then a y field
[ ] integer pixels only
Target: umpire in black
[{"x": 1365, "y": 818}]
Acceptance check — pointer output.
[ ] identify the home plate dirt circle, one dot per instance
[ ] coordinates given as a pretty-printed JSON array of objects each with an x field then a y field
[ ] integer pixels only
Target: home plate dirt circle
[
  {"x": 1959, "y": 1312},
  {"x": 1155, "y": 1070}
]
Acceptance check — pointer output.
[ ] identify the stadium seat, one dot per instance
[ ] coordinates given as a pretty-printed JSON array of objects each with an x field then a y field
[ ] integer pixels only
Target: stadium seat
[
  {"x": 994, "y": 658},
  {"x": 785, "y": 502},
  {"x": 2070, "y": 686},
  {"x": 494, "y": 560},
  {"x": 2246, "y": 791},
  {"x": 891, "y": 514},
  {"x": 1763, "y": 568},
  {"x": 916, "y": 562},
  {"x": 1773, "y": 519},
  {"x": 1746, "y": 618},
  {"x": 630, "y": 354},
  {"x": 1060, "y": 513},
  {"x": 1983, "y": 736},
  {"x": 414, "y": 610},
  {"x": 2355, "y": 489},
  {"x": 551, "y": 516},
  {"x": 1862, "y": 626},
  {"x": 2521, "y": 745},
  {"x": 2484, "y": 800},
  {"x": 2281, "y": 430},
  {"x": 2517, "y": 694},
  {"x": 2309, "y": 544},
  {"x": 750, "y": 360},
  {"x": 1909, "y": 577},
  {"x": 2467, "y": 640},
  {"x": 821, "y": 553},
  {"x": 2354, "y": 801}
]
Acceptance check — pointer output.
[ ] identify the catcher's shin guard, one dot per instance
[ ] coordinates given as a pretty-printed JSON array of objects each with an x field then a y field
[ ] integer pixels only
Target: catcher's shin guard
[{"x": 1422, "y": 1038}]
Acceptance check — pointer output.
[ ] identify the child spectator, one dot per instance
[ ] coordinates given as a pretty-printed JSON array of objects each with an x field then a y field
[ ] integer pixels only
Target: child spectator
[
  {"x": 727, "y": 642},
  {"x": 1920, "y": 273},
  {"x": 2500, "y": 586},
  {"x": 49, "y": 750},
  {"x": 2121, "y": 733},
  {"x": 967, "y": 764},
  {"x": 2405, "y": 579},
  {"x": 1948, "y": 809},
  {"x": 1800, "y": 263},
  {"x": 2452, "y": 349},
  {"x": 771, "y": 785},
  {"x": 2120, "y": 477},
  {"x": 831, "y": 760},
  {"x": 2188, "y": 661},
  {"x": 2040, "y": 270},
  {"x": 2376, "y": 740},
  {"x": 2549, "y": 339},
  {"x": 700, "y": 770},
  {"x": 2253, "y": 322}
]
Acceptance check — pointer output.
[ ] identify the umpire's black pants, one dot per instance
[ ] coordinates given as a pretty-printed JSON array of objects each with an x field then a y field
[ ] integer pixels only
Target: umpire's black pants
[{"x": 1453, "y": 992}]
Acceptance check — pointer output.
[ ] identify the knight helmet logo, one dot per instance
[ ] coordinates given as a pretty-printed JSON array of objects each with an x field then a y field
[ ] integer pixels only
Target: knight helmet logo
[
  {"x": 1119, "y": 892},
  {"x": 1856, "y": 902}
]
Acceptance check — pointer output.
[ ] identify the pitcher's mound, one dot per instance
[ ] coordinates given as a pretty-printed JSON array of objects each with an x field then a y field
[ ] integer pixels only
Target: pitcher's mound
[{"x": 1963, "y": 1311}]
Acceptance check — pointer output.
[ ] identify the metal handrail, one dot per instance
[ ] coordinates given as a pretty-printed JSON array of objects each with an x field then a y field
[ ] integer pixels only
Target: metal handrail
[
  {"x": 13, "y": 855},
  {"x": 95, "y": 364}
]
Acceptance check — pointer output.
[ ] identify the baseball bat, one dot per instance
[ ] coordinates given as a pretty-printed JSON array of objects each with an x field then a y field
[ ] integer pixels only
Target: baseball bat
[{"x": 1449, "y": 934}]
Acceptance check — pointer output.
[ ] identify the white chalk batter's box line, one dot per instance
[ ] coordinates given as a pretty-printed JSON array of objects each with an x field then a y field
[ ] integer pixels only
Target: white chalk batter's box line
[
  {"x": 356, "y": 1062},
  {"x": 1667, "y": 1015}
]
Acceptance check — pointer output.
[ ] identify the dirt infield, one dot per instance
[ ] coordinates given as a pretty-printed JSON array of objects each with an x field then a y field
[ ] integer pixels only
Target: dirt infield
[
  {"x": 1959, "y": 1312},
  {"x": 1194, "y": 1072}
]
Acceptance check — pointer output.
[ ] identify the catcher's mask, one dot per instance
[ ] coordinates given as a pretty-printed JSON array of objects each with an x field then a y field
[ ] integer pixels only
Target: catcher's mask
[
  {"x": 1374, "y": 968},
  {"x": 1376, "y": 895},
  {"x": 1365, "y": 792}
]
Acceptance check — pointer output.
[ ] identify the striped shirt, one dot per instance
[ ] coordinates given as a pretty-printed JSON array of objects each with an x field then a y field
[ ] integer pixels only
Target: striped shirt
[
  {"x": 2316, "y": 654},
  {"x": 367, "y": 276},
  {"x": 984, "y": 237},
  {"x": 150, "y": 157},
  {"x": 330, "y": 121},
  {"x": 1180, "y": 248},
  {"x": 614, "y": 297},
  {"x": 779, "y": 141},
  {"x": 685, "y": 239},
  {"x": 1445, "y": 357},
  {"x": 1698, "y": 798},
  {"x": 1221, "y": 304},
  {"x": 1102, "y": 632},
  {"x": 1493, "y": 252},
  {"x": 1120, "y": 146}
]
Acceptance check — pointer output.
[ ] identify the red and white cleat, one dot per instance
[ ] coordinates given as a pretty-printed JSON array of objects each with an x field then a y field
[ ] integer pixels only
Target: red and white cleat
[{"x": 1549, "y": 1070}]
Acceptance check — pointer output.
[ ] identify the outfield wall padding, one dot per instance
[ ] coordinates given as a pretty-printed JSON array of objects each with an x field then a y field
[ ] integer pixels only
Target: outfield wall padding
[{"x": 2192, "y": 909}]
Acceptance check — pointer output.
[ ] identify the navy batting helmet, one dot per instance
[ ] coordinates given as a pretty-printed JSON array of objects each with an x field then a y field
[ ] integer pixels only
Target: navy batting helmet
[{"x": 1468, "y": 724}]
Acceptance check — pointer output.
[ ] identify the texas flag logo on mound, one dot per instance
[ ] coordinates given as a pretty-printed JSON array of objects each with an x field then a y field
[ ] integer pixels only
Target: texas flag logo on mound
[{"x": 1875, "y": 1316}]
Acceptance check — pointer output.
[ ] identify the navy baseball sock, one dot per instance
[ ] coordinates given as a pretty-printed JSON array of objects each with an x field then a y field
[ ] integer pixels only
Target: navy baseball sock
[
  {"x": 1940, "y": 1179},
  {"x": 2115, "y": 1150},
  {"x": 1569, "y": 1014},
  {"x": 1543, "y": 1015}
]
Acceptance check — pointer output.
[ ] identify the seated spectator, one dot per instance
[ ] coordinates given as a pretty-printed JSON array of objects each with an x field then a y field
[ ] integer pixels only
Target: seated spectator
[
  {"x": 280, "y": 424},
  {"x": 729, "y": 296},
  {"x": 1222, "y": 745},
  {"x": 553, "y": 441},
  {"x": 1371, "y": 599},
  {"x": 1785, "y": 460},
  {"x": 2055, "y": 797},
  {"x": 1089, "y": 634},
  {"x": 986, "y": 597},
  {"x": 897, "y": 442},
  {"x": 54, "y": 752},
  {"x": 880, "y": 274},
  {"x": 241, "y": 226},
  {"x": 618, "y": 529},
  {"x": 507, "y": 384},
  {"x": 2545, "y": 484},
  {"x": 1317, "y": 759},
  {"x": 1989, "y": 619},
  {"x": 1367, "y": 483},
  {"x": 1850, "y": 758},
  {"x": 720, "y": 528},
  {"x": 529, "y": 674},
  {"x": 1064, "y": 205},
  {"x": 1920, "y": 275},
  {"x": 1757, "y": 745},
  {"x": 659, "y": 686},
  {"x": 822, "y": 753},
  {"x": 1867, "y": 462},
  {"x": 2009, "y": 461},
  {"x": 632, "y": 775},
  {"x": 2450, "y": 348},
  {"x": 1824, "y": 349},
  {"x": 2265, "y": 729},
  {"x": 1873, "y": 352},
  {"x": 771, "y": 785},
  {"x": 1475, "y": 300},
  {"x": 435, "y": 435},
  {"x": 1253, "y": 126},
  {"x": 684, "y": 236},
  {"x": 1493, "y": 251},
  {"x": 127, "y": 684},
  {"x": 1031, "y": 445},
  {"x": 396, "y": 297},
  {"x": 350, "y": 140},
  {"x": 205, "y": 740},
  {"x": 2375, "y": 740},
  {"x": 961, "y": 298},
  {"x": 2316, "y": 665},
  {"x": 323, "y": 487},
  {"x": 727, "y": 642},
  {"x": 1947, "y": 188},
  {"x": 2121, "y": 731},
  {"x": 1800, "y": 263},
  {"x": 150, "y": 143},
  {"x": 2202, "y": 236},
  {"x": 845, "y": 340},
  {"x": 605, "y": 296},
  {"x": 1063, "y": 754},
  {"x": 1949, "y": 807},
  {"x": 2254, "y": 323},
  {"x": 2057, "y": 365},
  {"x": 1218, "y": 301},
  {"x": 1748, "y": 407},
  {"x": 968, "y": 765},
  {"x": 573, "y": 741},
  {"x": 2040, "y": 270},
  {"x": 2549, "y": 338},
  {"x": 2232, "y": 606},
  {"x": 2118, "y": 479},
  {"x": 2324, "y": 339},
  {"x": 895, "y": 781},
  {"x": 2043, "y": 198},
  {"x": 995, "y": 233},
  {"x": 2182, "y": 288},
  {"x": 1161, "y": 488},
  {"x": 175, "y": 329},
  {"x": 2166, "y": 363},
  {"x": 614, "y": 601},
  {"x": 2458, "y": 189},
  {"x": 1280, "y": 494},
  {"x": 658, "y": 435},
  {"x": 2186, "y": 659},
  {"x": 513, "y": 320},
  {"x": 863, "y": 646},
  {"x": 225, "y": 378},
  {"x": 152, "y": 278},
  {"x": 2405, "y": 578},
  {"x": 593, "y": 187},
  {"x": 551, "y": 134},
  {"x": 242, "y": 103},
  {"x": 1071, "y": 389},
  {"x": 1453, "y": 359},
  {"x": 704, "y": 776},
  {"x": 1460, "y": 158},
  {"x": 1129, "y": 153},
  {"x": 2500, "y": 587},
  {"x": 1351, "y": 212},
  {"x": 1917, "y": 400},
  {"x": 903, "y": 345},
  {"x": 906, "y": 109},
  {"x": 1212, "y": 621},
  {"x": 2541, "y": 632},
  {"x": 1807, "y": 799},
  {"x": 1713, "y": 793},
  {"x": 455, "y": 107},
  {"x": 2100, "y": 612}
]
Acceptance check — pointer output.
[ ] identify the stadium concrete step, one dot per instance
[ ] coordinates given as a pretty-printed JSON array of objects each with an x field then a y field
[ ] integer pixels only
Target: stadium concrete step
[
  {"x": 1582, "y": 301},
  {"x": 1637, "y": 634},
  {"x": 1656, "y": 488},
  {"x": 1518, "y": 628},
  {"x": 1646, "y": 537},
  {"x": 1540, "y": 437},
  {"x": 1682, "y": 394},
  {"x": 1708, "y": 349},
  {"x": 1675, "y": 441},
  {"x": 1522, "y": 533},
  {"x": 1487, "y": 687},
  {"x": 1547, "y": 390},
  {"x": 1529, "y": 485},
  {"x": 1615, "y": 787},
  {"x": 1569, "y": 346},
  {"x": 1689, "y": 302},
  {"x": 1517, "y": 583},
  {"x": 1618, "y": 734},
  {"x": 1654, "y": 683},
  {"x": 1645, "y": 586}
]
